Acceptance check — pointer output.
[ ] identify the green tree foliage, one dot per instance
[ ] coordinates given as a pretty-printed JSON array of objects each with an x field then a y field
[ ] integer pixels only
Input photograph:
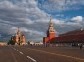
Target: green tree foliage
[
  {"x": 11, "y": 42},
  {"x": 28, "y": 42}
]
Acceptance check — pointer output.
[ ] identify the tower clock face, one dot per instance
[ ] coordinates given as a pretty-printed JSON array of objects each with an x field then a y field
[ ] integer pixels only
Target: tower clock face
[{"x": 51, "y": 29}]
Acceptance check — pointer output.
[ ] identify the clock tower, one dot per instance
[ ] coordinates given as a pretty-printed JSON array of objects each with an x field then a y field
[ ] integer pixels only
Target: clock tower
[{"x": 50, "y": 32}]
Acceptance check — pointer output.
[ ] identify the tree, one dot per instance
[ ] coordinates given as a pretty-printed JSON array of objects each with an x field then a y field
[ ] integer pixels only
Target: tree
[
  {"x": 28, "y": 42},
  {"x": 11, "y": 42}
]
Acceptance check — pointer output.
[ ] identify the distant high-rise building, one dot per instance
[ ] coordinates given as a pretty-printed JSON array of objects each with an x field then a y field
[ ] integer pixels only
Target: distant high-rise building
[{"x": 19, "y": 37}]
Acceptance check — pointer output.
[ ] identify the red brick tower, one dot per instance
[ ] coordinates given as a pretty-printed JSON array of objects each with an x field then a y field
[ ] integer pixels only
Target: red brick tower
[{"x": 50, "y": 33}]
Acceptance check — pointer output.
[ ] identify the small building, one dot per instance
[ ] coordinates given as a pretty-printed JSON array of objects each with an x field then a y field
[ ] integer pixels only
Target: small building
[
  {"x": 36, "y": 43},
  {"x": 31, "y": 42},
  {"x": 3, "y": 43}
]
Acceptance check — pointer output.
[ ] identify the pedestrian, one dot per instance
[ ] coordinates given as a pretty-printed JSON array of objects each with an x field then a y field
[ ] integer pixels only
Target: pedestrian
[{"x": 81, "y": 46}]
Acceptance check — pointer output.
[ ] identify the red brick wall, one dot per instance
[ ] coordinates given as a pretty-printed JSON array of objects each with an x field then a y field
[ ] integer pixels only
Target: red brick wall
[
  {"x": 51, "y": 35},
  {"x": 45, "y": 39}
]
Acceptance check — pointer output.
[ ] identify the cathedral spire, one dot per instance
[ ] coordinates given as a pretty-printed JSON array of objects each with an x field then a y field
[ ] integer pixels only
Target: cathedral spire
[
  {"x": 18, "y": 32},
  {"x": 18, "y": 29}
]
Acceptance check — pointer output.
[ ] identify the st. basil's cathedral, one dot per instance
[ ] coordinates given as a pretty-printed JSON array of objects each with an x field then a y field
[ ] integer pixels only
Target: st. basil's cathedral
[{"x": 19, "y": 38}]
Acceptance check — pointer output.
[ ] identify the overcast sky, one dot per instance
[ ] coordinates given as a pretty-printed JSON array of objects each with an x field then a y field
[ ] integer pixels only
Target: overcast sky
[{"x": 32, "y": 17}]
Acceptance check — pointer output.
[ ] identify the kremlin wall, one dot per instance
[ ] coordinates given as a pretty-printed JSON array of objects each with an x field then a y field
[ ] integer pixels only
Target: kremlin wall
[{"x": 75, "y": 36}]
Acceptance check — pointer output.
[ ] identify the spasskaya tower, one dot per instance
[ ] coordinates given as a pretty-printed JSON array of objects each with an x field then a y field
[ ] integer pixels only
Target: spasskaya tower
[{"x": 50, "y": 33}]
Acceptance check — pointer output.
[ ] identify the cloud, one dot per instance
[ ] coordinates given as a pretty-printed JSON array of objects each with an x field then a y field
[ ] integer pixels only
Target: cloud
[
  {"x": 77, "y": 19},
  {"x": 58, "y": 22},
  {"x": 32, "y": 20},
  {"x": 65, "y": 25},
  {"x": 0, "y": 36},
  {"x": 31, "y": 34},
  {"x": 21, "y": 13},
  {"x": 60, "y": 5},
  {"x": 24, "y": 29}
]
